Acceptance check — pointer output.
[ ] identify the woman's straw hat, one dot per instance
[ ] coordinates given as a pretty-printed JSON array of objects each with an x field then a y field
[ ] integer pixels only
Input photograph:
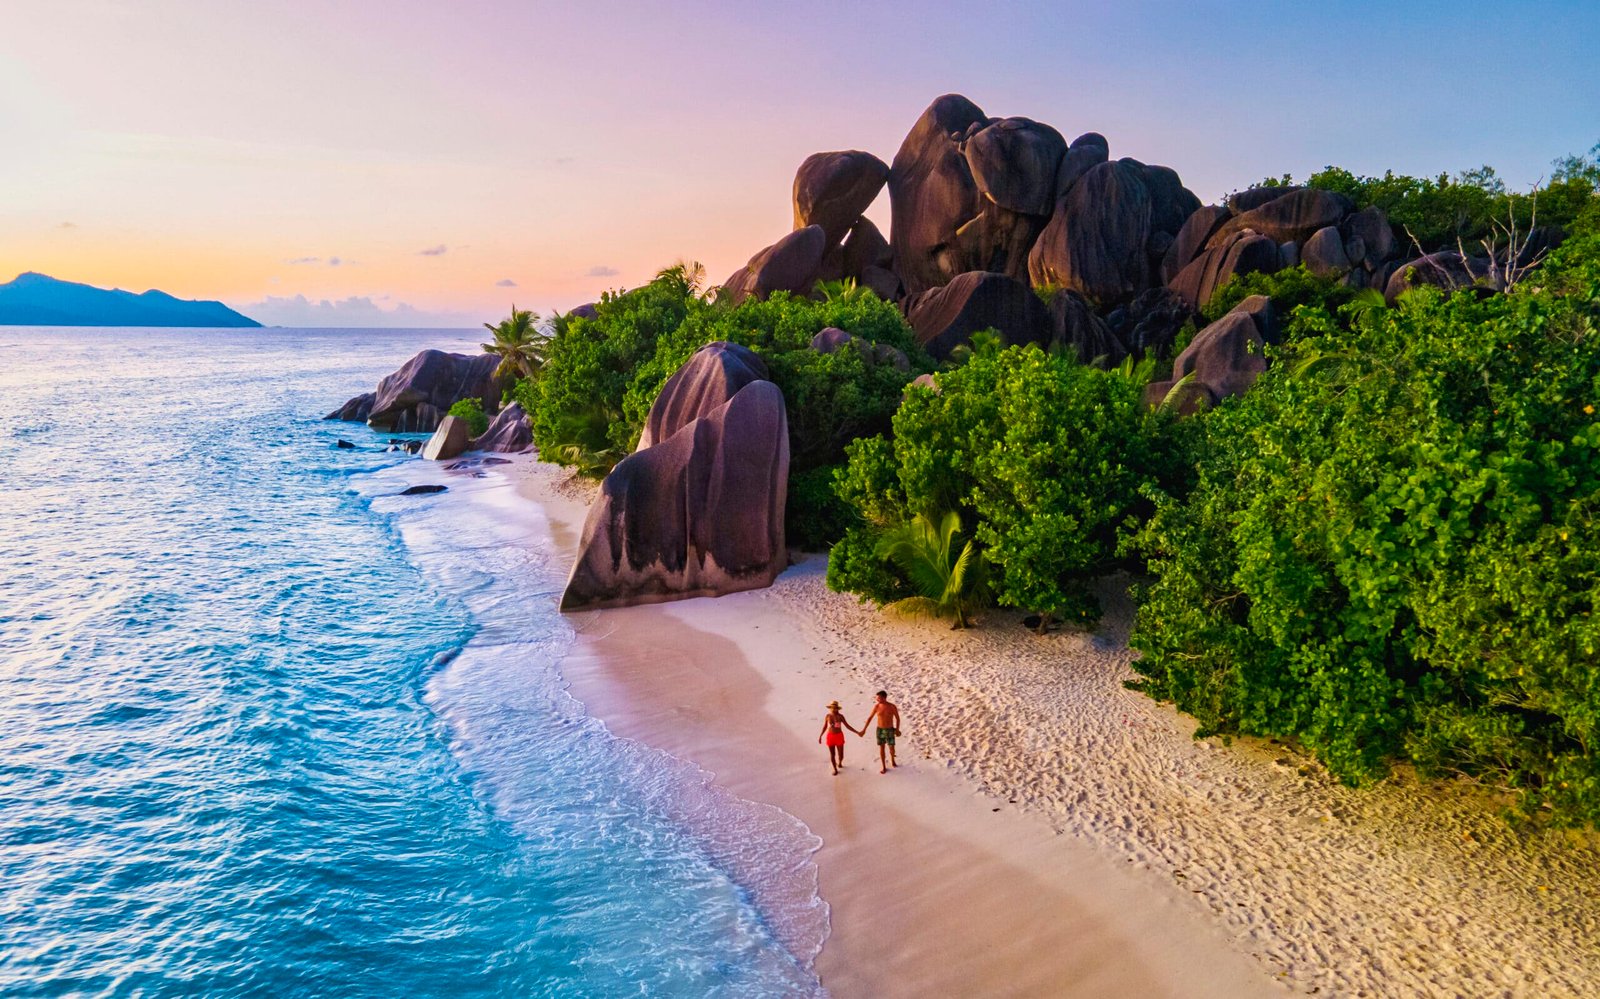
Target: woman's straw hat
[{"x": 833, "y": 704}]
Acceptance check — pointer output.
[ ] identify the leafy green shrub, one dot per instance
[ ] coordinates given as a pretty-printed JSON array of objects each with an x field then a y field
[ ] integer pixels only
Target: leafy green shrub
[
  {"x": 1391, "y": 556},
  {"x": 1046, "y": 457},
  {"x": 589, "y": 363},
  {"x": 1289, "y": 289},
  {"x": 471, "y": 410},
  {"x": 1439, "y": 211},
  {"x": 600, "y": 376}
]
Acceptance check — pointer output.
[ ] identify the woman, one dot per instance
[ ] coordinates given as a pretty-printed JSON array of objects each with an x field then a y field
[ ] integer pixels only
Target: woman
[{"x": 833, "y": 726}]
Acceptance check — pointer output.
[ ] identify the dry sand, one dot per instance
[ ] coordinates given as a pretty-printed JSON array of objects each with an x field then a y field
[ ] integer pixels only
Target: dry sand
[{"x": 1051, "y": 833}]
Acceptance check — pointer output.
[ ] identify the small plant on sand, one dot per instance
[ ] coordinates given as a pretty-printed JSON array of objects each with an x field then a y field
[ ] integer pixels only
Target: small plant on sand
[
  {"x": 947, "y": 581},
  {"x": 471, "y": 410}
]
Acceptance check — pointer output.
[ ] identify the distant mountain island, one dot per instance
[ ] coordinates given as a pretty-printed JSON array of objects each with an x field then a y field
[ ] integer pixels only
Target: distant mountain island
[{"x": 40, "y": 300}]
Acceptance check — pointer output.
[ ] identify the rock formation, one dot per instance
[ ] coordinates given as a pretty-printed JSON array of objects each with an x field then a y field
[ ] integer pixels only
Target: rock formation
[
  {"x": 970, "y": 193},
  {"x": 1224, "y": 359},
  {"x": 508, "y": 432},
  {"x": 1111, "y": 230},
  {"x": 792, "y": 264},
  {"x": 449, "y": 441},
  {"x": 833, "y": 189},
  {"x": 945, "y": 318},
  {"x": 416, "y": 398},
  {"x": 708, "y": 380},
  {"x": 698, "y": 512}
]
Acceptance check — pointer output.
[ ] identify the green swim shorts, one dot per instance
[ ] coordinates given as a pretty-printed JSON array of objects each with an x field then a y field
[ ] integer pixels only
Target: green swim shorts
[{"x": 885, "y": 736}]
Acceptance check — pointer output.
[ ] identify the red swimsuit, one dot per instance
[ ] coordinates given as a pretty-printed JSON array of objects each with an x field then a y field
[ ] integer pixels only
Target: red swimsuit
[{"x": 835, "y": 734}]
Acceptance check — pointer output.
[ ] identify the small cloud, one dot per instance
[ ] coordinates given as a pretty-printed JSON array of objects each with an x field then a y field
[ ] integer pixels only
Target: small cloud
[
  {"x": 602, "y": 270},
  {"x": 434, "y": 251},
  {"x": 334, "y": 261},
  {"x": 564, "y": 160},
  {"x": 505, "y": 283},
  {"x": 68, "y": 225},
  {"x": 304, "y": 260}
]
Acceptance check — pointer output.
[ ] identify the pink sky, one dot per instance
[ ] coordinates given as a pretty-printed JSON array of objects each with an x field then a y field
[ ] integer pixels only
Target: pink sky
[{"x": 233, "y": 150}]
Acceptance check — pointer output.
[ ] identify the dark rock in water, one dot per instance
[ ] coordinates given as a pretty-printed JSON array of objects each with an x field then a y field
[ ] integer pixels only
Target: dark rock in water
[
  {"x": 1150, "y": 323},
  {"x": 422, "y": 490},
  {"x": 698, "y": 514},
  {"x": 705, "y": 382},
  {"x": 1191, "y": 239},
  {"x": 508, "y": 432},
  {"x": 356, "y": 410},
  {"x": 415, "y": 398},
  {"x": 1242, "y": 253},
  {"x": 1294, "y": 216},
  {"x": 1255, "y": 197},
  {"x": 791, "y": 264},
  {"x": 448, "y": 441},
  {"x": 1074, "y": 324},
  {"x": 343, "y": 444},
  {"x": 833, "y": 189},
  {"x": 945, "y": 318},
  {"x": 467, "y": 464},
  {"x": 412, "y": 447}
]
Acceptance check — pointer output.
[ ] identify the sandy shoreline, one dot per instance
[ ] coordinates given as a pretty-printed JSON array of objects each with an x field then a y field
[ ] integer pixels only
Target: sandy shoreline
[{"x": 1125, "y": 858}]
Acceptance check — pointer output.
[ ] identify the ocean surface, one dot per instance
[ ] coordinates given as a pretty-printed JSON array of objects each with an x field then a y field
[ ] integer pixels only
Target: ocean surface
[{"x": 267, "y": 728}]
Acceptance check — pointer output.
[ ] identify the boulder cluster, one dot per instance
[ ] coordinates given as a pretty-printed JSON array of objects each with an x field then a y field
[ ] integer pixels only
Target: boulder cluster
[
  {"x": 697, "y": 509},
  {"x": 417, "y": 399}
]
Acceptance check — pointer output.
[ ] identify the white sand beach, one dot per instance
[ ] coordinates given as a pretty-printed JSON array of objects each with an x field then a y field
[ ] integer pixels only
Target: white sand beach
[{"x": 1050, "y": 833}]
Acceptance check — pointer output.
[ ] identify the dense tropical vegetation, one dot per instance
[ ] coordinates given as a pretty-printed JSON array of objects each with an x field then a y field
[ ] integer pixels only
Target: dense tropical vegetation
[
  {"x": 1383, "y": 550},
  {"x": 600, "y": 375}
]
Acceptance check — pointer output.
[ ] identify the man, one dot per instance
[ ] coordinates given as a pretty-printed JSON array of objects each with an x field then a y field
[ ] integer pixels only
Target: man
[{"x": 887, "y": 717}]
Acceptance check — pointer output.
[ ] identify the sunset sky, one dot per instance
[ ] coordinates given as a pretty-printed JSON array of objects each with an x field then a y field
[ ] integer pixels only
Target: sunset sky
[{"x": 429, "y": 163}]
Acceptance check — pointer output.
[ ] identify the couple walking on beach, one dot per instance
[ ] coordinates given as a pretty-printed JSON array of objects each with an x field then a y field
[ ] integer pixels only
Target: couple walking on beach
[{"x": 883, "y": 712}]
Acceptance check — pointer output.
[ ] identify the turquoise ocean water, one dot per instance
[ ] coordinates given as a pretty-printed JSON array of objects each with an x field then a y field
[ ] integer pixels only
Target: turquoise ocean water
[{"x": 268, "y": 729}]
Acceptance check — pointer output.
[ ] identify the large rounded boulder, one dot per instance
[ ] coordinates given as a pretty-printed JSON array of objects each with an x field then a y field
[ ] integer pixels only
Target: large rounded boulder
[
  {"x": 833, "y": 189},
  {"x": 509, "y": 432},
  {"x": 707, "y": 381},
  {"x": 932, "y": 194},
  {"x": 416, "y": 398},
  {"x": 698, "y": 514},
  {"x": 1244, "y": 252},
  {"x": 945, "y": 318},
  {"x": 791, "y": 264},
  {"x": 1289, "y": 217}
]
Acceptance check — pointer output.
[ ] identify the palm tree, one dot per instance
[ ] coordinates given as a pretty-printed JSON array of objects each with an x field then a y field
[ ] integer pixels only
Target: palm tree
[
  {"x": 946, "y": 581},
  {"x": 519, "y": 343}
]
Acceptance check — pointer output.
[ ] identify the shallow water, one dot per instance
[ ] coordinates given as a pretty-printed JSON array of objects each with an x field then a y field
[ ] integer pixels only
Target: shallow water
[{"x": 267, "y": 728}]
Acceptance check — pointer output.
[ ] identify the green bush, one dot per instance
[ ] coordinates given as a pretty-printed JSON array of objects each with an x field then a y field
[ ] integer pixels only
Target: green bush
[
  {"x": 1439, "y": 211},
  {"x": 471, "y": 410},
  {"x": 1289, "y": 289},
  {"x": 1044, "y": 456},
  {"x": 1388, "y": 553},
  {"x": 602, "y": 375}
]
